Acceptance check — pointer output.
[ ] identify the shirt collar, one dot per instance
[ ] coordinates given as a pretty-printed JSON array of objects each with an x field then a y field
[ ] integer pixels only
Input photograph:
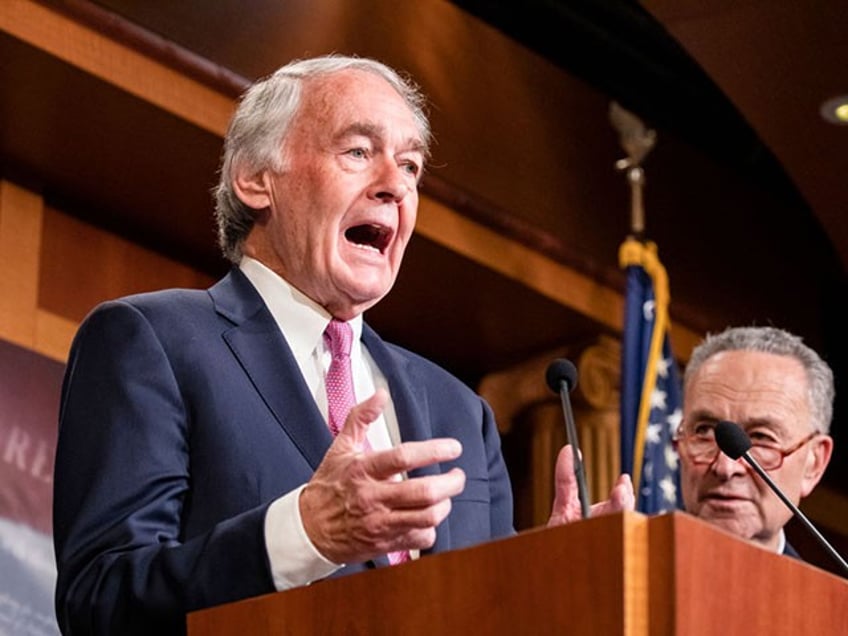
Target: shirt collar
[
  {"x": 300, "y": 318},
  {"x": 781, "y": 542}
]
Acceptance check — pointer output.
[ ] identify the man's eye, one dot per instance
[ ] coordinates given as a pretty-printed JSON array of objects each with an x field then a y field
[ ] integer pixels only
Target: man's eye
[
  {"x": 412, "y": 168},
  {"x": 763, "y": 438},
  {"x": 704, "y": 430},
  {"x": 358, "y": 153}
]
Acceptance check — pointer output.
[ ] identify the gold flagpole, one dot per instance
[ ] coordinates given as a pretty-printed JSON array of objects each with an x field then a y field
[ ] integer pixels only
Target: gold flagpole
[{"x": 638, "y": 141}]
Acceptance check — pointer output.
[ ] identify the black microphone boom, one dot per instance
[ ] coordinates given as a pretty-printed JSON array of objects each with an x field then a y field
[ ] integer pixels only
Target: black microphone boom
[
  {"x": 562, "y": 378},
  {"x": 735, "y": 443}
]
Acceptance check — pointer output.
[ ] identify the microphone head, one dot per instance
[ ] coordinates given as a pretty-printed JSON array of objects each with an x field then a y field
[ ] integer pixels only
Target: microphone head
[
  {"x": 559, "y": 371},
  {"x": 731, "y": 439}
]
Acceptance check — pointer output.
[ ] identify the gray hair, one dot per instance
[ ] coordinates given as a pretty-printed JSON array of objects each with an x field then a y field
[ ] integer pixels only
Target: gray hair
[
  {"x": 820, "y": 388},
  {"x": 257, "y": 131}
]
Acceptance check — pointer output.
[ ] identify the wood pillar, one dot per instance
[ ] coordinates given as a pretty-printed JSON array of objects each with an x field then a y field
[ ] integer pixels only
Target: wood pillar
[{"x": 531, "y": 421}]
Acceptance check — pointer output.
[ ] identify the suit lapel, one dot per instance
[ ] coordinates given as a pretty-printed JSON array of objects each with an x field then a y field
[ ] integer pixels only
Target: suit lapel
[
  {"x": 255, "y": 340},
  {"x": 409, "y": 396}
]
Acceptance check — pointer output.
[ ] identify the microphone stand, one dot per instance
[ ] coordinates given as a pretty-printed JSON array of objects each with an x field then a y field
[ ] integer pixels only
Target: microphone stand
[
  {"x": 800, "y": 515},
  {"x": 571, "y": 433}
]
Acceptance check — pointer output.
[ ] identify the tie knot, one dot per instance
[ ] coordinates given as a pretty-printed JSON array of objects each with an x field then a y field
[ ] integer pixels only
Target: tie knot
[{"x": 339, "y": 337}]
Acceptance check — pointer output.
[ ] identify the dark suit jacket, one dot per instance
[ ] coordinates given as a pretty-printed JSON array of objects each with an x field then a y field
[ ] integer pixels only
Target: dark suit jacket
[{"x": 183, "y": 416}]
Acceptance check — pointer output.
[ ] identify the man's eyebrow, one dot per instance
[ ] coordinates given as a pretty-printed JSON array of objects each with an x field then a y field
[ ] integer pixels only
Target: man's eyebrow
[
  {"x": 416, "y": 145},
  {"x": 705, "y": 415},
  {"x": 701, "y": 415},
  {"x": 376, "y": 132},
  {"x": 769, "y": 423},
  {"x": 360, "y": 129}
]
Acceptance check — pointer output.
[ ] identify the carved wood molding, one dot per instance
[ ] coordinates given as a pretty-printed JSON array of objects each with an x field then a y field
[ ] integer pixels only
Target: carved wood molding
[{"x": 524, "y": 405}]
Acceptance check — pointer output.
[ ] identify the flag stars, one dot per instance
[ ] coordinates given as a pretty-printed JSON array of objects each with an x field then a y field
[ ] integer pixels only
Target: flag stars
[
  {"x": 647, "y": 471},
  {"x": 671, "y": 458},
  {"x": 652, "y": 434},
  {"x": 669, "y": 490},
  {"x": 658, "y": 399},
  {"x": 674, "y": 418},
  {"x": 663, "y": 365}
]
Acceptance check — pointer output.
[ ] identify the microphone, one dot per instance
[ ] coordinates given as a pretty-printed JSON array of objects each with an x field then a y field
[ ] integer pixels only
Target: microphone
[
  {"x": 562, "y": 378},
  {"x": 735, "y": 443}
]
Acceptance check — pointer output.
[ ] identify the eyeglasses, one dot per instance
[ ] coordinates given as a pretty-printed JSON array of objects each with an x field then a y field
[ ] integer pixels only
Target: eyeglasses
[{"x": 701, "y": 448}]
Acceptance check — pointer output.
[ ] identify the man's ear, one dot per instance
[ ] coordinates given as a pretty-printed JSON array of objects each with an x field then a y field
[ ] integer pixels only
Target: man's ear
[
  {"x": 817, "y": 461},
  {"x": 253, "y": 189}
]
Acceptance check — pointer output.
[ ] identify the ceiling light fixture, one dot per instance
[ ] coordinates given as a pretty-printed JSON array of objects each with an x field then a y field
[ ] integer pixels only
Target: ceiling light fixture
[{"x": 836, "y": 110}]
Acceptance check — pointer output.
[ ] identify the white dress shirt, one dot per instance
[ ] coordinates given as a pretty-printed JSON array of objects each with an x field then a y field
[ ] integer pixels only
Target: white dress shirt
[
  {"x": 294, "y": 559},
  {"x": 781, "y": 542}
]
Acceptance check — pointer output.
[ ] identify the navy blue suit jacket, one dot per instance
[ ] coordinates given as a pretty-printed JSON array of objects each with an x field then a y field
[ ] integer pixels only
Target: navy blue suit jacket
[{"x": 183, "y": 416}]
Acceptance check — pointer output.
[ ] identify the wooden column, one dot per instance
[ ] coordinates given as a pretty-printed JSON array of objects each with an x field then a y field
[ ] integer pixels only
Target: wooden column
[{"x": 530, "y": 418}]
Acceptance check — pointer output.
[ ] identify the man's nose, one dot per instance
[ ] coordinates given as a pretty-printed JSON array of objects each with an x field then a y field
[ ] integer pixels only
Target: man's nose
[
  {"x": 391, "y": 183},
  {"x": 726, "y": 467}
]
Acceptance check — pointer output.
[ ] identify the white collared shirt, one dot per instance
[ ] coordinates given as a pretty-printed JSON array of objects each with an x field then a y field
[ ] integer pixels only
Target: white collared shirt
[{"x": 294, "y": 559}]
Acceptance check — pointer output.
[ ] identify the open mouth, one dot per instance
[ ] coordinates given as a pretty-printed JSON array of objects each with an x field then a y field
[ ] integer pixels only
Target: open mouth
[{"x": 370, "y": 236}]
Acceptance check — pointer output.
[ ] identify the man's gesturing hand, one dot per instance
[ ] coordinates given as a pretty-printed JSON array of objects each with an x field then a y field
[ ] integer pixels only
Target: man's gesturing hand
[
  {"x": 567, "y": 507},
  {"x": 355, "y": 507}
]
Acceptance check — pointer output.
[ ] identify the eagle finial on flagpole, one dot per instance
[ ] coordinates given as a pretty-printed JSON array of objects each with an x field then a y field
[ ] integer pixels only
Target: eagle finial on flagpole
[{"x": 637, "y": 141}]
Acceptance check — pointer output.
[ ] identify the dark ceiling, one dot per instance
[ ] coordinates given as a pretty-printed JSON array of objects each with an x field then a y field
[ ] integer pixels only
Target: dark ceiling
[{"x": 746, "y": 191}]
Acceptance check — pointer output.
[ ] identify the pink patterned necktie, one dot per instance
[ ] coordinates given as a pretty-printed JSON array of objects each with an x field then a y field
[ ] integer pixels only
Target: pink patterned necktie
[
  {"x": 339, "y": 380},
  {"x": 340, "y": 394}
]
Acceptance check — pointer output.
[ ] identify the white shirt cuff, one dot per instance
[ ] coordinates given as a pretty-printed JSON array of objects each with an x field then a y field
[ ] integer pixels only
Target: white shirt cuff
[{"x": 294, "y": 559}]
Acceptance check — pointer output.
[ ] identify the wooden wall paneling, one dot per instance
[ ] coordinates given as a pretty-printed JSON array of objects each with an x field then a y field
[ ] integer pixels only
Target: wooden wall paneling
[
  {"x": 114, "y": 62},
  {"x": 546, "y": 276},
  {"x": 540, "y": 273},
  {"x": 155, "y": 82},
  {"x": 53, "y": 335},
  {"x": 57, "y": 268},
  {"x": 21, "y": 214},
  {"x": 82, "y": 266}
]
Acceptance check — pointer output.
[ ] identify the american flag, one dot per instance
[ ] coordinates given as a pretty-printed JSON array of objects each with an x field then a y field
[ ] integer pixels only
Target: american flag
[{"x": 651, "y": 395}]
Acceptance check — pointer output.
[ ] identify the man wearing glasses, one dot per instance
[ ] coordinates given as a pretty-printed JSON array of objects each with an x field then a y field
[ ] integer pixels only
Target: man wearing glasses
[{"x": 781, "y": 393}]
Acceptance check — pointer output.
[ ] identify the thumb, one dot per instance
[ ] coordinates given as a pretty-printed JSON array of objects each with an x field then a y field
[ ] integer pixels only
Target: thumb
[
  {"x": 566, "y": 505},
  {"x": 359, "y": 419}
]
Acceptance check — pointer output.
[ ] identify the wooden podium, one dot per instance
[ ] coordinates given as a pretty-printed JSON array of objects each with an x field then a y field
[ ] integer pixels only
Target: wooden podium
[{"x": 621, "y": 574}]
